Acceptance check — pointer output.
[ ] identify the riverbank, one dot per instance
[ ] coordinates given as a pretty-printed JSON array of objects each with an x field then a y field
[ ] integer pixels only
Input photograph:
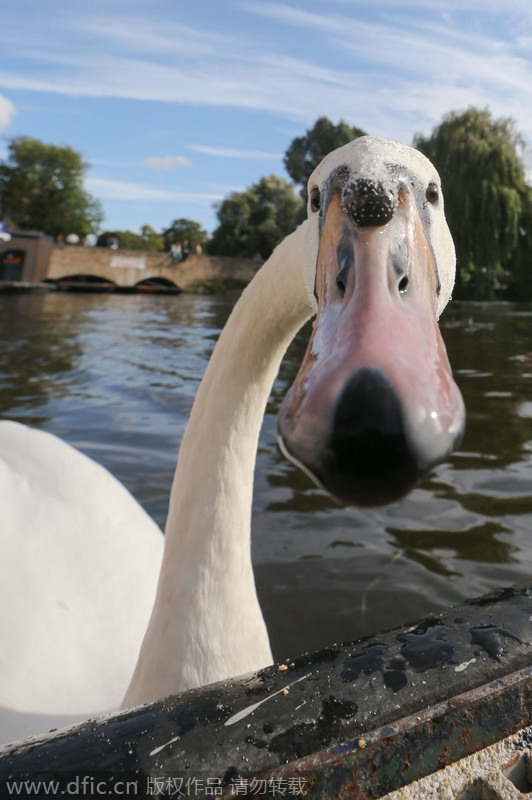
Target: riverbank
[{"x": 208, "y": 286}]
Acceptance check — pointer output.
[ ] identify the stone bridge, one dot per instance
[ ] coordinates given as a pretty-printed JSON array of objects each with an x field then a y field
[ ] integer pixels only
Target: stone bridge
[{"x": 131, "y": 268}]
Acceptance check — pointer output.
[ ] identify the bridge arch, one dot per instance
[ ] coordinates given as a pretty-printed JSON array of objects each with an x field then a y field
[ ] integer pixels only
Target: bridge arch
[
  {"x": 157, "y": 284},
  {"x": 80, "y": 282}
]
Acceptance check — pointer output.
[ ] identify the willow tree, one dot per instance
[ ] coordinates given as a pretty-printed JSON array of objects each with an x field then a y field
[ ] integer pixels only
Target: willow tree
[
  {"x": 479, "y": 162},
  {"x": 520, "y": 278}
]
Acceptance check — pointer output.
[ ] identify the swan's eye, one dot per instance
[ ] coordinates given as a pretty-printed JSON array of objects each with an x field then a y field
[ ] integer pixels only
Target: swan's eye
[
  {"x": 432, "y": 194},
  {"x": 315, "y": 199}
]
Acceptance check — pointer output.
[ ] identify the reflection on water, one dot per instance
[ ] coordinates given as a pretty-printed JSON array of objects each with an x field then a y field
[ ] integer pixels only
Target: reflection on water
[{"x": 116, "y": 376}]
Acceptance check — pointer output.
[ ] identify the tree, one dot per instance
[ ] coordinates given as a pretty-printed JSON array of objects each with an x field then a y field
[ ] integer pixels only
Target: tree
[
  {"x": 41, "y": 188},
  {"x": 152, "y": 239},
  {"x": 182, "y": 229},
  {"x": 520, "y": 278},
  {"x": 148, "y": 239},
  {"x": 485, "y": 194},
  {"x": 256, "y": 220},
  {"x": 306, "y": 152}
]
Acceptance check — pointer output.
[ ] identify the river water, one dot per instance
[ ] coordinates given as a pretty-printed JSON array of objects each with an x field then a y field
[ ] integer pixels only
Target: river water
[{"x": 115, "y": 375}]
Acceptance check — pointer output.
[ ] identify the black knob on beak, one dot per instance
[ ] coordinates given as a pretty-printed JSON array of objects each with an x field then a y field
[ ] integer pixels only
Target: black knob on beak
[
  {"x": 368, "y": 460},
  {"x": 368, "y": 203}
]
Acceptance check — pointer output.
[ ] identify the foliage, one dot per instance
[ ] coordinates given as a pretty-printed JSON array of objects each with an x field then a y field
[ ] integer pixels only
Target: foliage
[
  {"x": 520, "y": 277},
  {"x": 148, "y": 239},
  {"x": 485, "y": 195},
  {"x": 153, "y": 239},
  {"x": 41, "y": 188},
  {"x": 306, "y": 152},
  {"x": 182, "y": 229},
  {"x": 254, "y": 221}
]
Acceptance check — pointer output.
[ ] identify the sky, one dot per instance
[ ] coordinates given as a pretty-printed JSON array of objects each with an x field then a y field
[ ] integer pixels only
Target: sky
[{"x": 176, "y": 103}]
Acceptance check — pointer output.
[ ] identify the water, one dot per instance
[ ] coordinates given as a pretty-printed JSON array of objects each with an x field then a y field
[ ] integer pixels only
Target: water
[{"x": 116, "y": 377}]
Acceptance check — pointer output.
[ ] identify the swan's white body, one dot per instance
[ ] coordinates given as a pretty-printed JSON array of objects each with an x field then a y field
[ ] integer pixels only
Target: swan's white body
[
  {"x": 80, "y": 559},
  {"x": 78, "y": 572}
]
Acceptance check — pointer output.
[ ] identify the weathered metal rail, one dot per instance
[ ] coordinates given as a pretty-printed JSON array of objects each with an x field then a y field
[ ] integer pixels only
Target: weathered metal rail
[
  {"x": 353, "y": 721},
  {"x": 412, "y": 747}
]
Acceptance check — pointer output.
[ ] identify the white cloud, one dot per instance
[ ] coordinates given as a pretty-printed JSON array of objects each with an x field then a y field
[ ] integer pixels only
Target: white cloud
[
  {"x": 398, "y": 74},
  {"x": 105, "y": 162},
  {"x": 7, "y": 112},
  {"x": 487, "y": 6},
  {"x": 108, "y": 189},
  {"x": 410, "y": 70},
  {"x": 148, "y": 36},
  {"x": 164, "y": 163},
  {"x": 226, "y": 189},
  {"x": 149, "y": 63},
  {"x": 230, "y": 152}
]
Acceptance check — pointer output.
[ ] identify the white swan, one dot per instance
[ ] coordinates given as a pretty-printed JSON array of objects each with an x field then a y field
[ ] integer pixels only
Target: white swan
[{"x": 373, "y": 407}]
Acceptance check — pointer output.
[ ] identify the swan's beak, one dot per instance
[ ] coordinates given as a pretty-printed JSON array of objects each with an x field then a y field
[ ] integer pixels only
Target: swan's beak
[{"x": 374, "y": 405}]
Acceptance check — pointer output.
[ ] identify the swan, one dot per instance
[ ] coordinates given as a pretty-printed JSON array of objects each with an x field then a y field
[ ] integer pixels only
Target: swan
[{"x": 85, "y": 578}]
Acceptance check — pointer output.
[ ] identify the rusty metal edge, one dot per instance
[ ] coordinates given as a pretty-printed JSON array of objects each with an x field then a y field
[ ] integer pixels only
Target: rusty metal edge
[{"x": 415, "y": 746}]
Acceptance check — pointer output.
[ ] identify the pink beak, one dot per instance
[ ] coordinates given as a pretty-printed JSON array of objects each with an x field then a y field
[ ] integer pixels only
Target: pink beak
[{"x": 374, "y": 405}]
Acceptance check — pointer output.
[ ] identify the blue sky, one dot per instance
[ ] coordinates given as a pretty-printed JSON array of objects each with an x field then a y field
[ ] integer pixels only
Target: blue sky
[{"x": 175, "y": 103}]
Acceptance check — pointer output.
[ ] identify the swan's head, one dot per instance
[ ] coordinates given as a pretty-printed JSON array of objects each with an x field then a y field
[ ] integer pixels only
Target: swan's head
[{"x": 374, "y": 405}]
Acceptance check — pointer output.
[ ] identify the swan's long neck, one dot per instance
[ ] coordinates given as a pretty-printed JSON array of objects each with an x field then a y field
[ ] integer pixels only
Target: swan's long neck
[{"x": 206, "y": 624}]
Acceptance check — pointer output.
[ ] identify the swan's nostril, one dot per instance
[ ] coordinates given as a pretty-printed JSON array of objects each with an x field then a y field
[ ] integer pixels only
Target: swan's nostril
[
  {"x": 346, "y": 259},
  {"x": 403, "y": 284}
]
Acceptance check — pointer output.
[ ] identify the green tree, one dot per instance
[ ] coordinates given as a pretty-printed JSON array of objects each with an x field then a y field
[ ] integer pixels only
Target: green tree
[
  {"x": 256, "y": 220},
  {"x": 306, "y": 152},
  {"x": 148, "y": 239},
  {"x": 41, "y": 188},
  {"x": 520, "y": 277},
  {"x": 152, "y": 239},
  {"x": 182, "y": 229},
  {"x": 479, "y": 162}
]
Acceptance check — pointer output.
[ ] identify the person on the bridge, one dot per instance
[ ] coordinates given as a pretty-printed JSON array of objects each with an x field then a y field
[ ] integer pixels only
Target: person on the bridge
[{"x": 176, "y": 251}]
